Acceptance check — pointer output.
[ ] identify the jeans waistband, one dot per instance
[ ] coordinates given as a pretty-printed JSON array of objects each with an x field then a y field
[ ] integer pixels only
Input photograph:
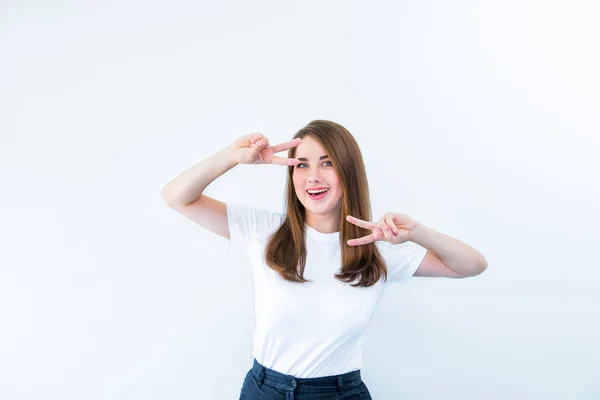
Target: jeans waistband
[{"x": 325, "y": 384}]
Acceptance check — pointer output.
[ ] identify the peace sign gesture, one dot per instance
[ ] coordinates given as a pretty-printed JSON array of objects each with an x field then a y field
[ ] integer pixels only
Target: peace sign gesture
[
  {"x": 393, "y": 228},
  {"x": 254, "y": 148}
]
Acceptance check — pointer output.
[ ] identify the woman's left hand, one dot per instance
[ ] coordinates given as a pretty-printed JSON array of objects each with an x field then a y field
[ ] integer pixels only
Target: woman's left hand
[{"x": 393, "y": 228}]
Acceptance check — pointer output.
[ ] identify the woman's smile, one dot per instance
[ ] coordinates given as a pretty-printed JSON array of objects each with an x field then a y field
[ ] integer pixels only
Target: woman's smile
[{"x": 317, "y": 194}]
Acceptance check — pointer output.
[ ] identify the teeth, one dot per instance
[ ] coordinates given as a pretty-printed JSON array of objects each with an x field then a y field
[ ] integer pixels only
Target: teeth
[{"x": 317, "y": 191}]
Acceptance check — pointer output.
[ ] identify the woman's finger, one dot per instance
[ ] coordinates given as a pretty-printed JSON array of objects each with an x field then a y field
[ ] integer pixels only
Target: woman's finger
[
  {"x": 387, "y": 232},
  {"x": 252, "y": 138},
  {"x": 360, "y": 222},
  {"x": 286, "y": 145},
  {"x": 389, "y": 219},
  {"x": 362, "y": 240},
  {"x": 255, "y": 149},
  {"x": 285, "y": 161}
]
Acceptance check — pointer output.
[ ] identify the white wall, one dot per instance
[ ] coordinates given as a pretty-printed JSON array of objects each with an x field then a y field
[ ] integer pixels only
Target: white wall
[{"x": 479, "y": 119}]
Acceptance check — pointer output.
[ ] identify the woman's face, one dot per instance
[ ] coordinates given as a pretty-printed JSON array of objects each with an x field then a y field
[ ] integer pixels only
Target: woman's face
[{"x": 315, "y": 171}]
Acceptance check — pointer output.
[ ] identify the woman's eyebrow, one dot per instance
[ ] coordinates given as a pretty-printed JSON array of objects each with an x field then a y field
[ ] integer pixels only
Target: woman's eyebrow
[{"x": 320, "y": 158}]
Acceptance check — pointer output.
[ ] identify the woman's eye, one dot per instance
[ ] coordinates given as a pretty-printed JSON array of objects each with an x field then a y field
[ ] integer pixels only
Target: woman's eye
[{"x": 300, "y": 165}]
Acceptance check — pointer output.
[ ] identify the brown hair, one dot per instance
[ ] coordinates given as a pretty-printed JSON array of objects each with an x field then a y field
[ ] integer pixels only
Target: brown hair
[{"x": 286, "y": 248}]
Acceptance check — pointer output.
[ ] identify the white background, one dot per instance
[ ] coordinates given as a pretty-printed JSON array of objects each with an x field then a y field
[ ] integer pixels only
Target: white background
[{"x": 479, "y": 119}]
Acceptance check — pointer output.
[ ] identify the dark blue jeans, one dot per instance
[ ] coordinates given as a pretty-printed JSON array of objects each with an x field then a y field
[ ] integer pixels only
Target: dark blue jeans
[{"x": 263, "y": 383}]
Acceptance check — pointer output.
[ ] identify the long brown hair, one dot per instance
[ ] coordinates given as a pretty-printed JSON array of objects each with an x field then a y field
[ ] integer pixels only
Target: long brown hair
[{"x": 286, "y": 248}]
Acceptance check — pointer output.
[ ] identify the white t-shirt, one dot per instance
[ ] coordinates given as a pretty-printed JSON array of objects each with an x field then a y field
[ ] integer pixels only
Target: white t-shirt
[{"x": 311, "y": 329}]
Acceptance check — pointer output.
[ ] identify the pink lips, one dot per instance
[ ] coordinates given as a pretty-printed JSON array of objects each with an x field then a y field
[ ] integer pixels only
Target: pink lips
[{"x": 318, "y": 197}]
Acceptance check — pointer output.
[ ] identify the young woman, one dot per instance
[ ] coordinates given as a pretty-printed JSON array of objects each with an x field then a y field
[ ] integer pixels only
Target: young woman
[{"x": 321, "y": 267}]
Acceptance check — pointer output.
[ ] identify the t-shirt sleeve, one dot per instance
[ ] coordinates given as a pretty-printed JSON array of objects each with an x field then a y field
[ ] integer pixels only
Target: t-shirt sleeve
[
  {"x": 247, "y": 223},
  {"x": 402, "y": 260}
]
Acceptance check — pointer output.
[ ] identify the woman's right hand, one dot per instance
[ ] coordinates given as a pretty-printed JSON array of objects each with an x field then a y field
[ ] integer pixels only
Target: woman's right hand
[{"x": 254, "y": 149}]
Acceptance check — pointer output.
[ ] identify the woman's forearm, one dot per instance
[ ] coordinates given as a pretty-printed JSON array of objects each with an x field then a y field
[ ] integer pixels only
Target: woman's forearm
[
  {"x": 457, "y": 255},
  {"x": 189, "y": 185}
]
